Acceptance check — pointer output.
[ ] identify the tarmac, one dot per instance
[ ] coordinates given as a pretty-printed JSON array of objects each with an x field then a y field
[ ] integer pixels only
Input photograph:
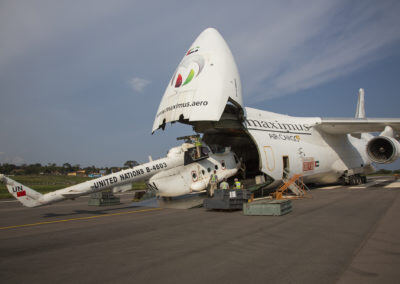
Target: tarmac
[{"x": 340, "y": 235}]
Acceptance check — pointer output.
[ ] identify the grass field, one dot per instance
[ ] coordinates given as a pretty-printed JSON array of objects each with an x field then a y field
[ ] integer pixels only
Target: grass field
[{"x": 44, "y": 184}]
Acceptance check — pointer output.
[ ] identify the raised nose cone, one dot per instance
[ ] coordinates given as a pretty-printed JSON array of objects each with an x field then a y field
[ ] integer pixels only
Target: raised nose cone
[{"x": 205, "y": 79}]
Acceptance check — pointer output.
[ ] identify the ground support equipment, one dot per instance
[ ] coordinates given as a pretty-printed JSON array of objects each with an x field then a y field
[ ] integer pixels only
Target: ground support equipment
[
  {"x": 103, "y": 198},
  {"x": 232, "y": 199},
  {"x": 274, "y": 207}
]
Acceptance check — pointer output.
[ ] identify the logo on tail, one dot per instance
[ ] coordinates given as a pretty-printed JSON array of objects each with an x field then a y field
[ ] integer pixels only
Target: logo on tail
[
  {"x": 27, "y": 196},
  {"x": 19, "y": 190}
]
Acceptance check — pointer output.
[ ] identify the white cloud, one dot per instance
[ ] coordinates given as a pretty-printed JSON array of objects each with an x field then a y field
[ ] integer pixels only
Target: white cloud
[
  {"x": 303, "y": 45},
  {"x": 138, "y": 84}
]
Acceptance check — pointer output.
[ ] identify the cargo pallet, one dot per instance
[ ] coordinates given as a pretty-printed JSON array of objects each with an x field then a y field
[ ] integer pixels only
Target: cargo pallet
[
  {"x": 271, "y": 208},
  {"x": 103, "y": 198},
  {"x": 227, "y": 199}
]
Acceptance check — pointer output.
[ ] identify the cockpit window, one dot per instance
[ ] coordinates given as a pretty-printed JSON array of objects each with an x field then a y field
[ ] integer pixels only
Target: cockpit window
[
  {"x": 217, "y": 149},
  {"x": 205, "y": 151},
  {"x": 191, "y": 155}
]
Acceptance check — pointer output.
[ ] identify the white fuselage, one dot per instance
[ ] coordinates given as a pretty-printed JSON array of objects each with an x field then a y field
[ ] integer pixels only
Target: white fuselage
[
  {"x": 194, "y": 177},
  {"x": 295, "y": 143},
  {"x": 169, "y": 176}
]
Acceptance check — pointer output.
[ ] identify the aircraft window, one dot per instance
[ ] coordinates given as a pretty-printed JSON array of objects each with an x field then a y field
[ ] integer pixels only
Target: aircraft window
[
  {"x": 194, "y": 175},
  {"x": 208, "y": 170},
  {"x": 216, "y": 167},
  {"x": 205, "y": 151},
  {"x": 223, "y": 164},
  {"x": 203, "y": 172},
  {"x": 217, "y": 149}
]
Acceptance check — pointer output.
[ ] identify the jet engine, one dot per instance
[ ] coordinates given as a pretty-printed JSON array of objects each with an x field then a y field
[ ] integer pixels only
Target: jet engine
[{"x": 383, "y": 150}]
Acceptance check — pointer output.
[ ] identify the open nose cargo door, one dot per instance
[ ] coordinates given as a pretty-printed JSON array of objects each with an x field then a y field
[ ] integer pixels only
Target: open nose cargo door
[
  {"x": 205, "y": 91},
  {"x": 203, "y": 83}
]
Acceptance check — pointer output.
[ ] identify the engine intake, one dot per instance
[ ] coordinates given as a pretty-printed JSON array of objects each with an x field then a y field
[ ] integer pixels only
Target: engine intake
[{"x": 383, "y": 150}]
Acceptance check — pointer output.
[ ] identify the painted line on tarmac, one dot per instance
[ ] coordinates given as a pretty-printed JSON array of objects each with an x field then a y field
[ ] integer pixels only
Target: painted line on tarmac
[
  {"x": 376, "y": 183},
  {"x": 365, "y": 185},
  {"x": 80, "y": 218},
  {"x": 84, "y": 196},
  {"x": 8, "y": 201},
  {"x": 393, "y": 185},
  {"x": 331, "y": 187}
]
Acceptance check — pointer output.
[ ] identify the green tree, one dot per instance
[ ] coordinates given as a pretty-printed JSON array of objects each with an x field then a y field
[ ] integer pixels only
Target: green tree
[
  {"x": 67, "y": 168},
  {"x": 384, "y": 172},
  {"x": 76, "y": 167},
  {"x": 131, "y": 164}
]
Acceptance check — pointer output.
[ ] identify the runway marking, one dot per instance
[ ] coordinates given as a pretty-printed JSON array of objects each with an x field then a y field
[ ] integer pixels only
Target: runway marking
[
  {"x": 80, "y": 218},
  {"x": 84, "y": 196},
  {"x": 331, "y": 187},
  {"x": 354, "y": 187},
  {"x": 393, "y": 185},
  {"x": 377, "y": 183},
  {"x": 366, "y": 185},
  {"x": 8, "y": 201}
]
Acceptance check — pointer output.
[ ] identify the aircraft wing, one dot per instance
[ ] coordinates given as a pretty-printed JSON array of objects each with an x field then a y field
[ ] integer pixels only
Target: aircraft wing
[{"x": 357, "y": 125}]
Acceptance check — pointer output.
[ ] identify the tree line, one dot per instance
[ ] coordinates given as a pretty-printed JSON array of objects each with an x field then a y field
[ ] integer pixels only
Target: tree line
[
  {"x": 54, "y": 169},
  {"x": 64, "y": 169}
]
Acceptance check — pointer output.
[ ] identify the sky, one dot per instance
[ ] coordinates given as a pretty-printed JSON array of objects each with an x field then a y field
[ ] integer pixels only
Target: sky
[{"x": 81, "y": 81}]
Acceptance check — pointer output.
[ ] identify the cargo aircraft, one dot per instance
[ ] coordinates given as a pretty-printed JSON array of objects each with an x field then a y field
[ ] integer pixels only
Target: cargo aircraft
[{"x": 205, "y": 92}]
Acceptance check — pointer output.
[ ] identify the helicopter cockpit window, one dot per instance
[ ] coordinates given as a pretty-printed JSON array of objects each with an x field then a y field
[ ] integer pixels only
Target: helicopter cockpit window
[
  {"x": 192, "y": 156},
  {"x": 217, "y": 149},
  {"x": 205, "y": 151}
]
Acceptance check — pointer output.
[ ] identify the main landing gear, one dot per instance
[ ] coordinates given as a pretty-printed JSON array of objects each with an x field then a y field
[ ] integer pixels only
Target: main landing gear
[{"x": 354, "y": 179}]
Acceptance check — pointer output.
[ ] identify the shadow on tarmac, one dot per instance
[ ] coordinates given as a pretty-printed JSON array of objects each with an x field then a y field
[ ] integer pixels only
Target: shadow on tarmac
[{"x": 100, "y": 211}]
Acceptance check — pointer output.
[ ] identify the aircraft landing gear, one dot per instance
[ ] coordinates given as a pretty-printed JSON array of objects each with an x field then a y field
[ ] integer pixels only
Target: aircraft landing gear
[{"x": 354, "y": 180}]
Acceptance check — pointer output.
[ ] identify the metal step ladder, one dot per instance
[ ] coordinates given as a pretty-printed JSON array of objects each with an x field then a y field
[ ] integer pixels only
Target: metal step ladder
[{"x": 294, "y": 183}]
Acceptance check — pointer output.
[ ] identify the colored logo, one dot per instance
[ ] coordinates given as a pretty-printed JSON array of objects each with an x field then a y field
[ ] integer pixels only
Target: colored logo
[
  {"x": 21, "y": 193},
  {"x": 192, "y": 50},
  {"x": 188, "y": 69}
]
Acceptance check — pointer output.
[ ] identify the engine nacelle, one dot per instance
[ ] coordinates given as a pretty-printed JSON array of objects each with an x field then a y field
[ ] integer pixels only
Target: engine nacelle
[{"x": 383, "y": 150}]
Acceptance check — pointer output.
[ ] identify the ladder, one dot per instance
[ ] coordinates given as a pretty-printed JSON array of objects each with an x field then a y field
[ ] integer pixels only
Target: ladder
[{"x": 295, "y": 184}]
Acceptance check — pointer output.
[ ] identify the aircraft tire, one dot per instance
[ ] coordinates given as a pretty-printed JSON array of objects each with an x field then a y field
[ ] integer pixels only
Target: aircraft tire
[{"x": 364, "y": 178}]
